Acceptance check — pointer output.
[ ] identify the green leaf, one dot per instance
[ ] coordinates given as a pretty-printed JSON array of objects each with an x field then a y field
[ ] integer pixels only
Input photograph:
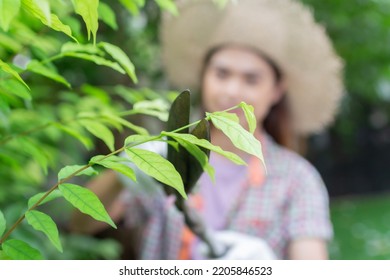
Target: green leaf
[
  {"x": 6, "y": 68},
  {"x": 168, "y": 5},
  {"x": 35, "y": 150},
  {"x": 107, "y": 15},
  {"x": 241, "y": 138},
  {"x": 3, "y": 256},
  {"x": 76, "y": 134},
  {"x": 14, "y": 87},
  {"x": 44, "y": 7},
  {"x": 68, "y": 170},
  {"x": 250, "y": 116},
  {"x": 34, "y": 199},
  {"x": 97, "y": 92},
  {"x": 231, "y": 116},
  {"x": 97, "y": 60},
  {"x": 38, "y": 68},
  {"x": 157, "y": 108},
  {"x": 57, "y": 25},
  {"x": 87, "y": 48},
  {"x": 121, "y": 57},
  {"x": 114, "y": 163},
  {"x": 158, "y": 167},
  {"x": 20, "y": 250},
  {"x": 42, "y": 222},
  {"x": 9, "y": 42},
  {"x": 158, "y": 104},
  {"x": 8, "y": 10},
  {"x": 100, "y": 131},
  {"x": 135, "y": 128},
  {"x": 54, "y": 22},
  {"x": 206, "y": 144},
  {"x": 199, "y": 155},
  {"x": 88, "y": 9},
  {"x": 163, "y": 116},
  {"x": 86, "y": 201},
  {"x": 3, "y": 223},
  {"x": 135, "y": 140},
  {"x": 133, "y": 5}
]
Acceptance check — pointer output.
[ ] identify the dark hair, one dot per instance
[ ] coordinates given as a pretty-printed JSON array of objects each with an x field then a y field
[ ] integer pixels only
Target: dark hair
[{"x": 278, "y": 121}]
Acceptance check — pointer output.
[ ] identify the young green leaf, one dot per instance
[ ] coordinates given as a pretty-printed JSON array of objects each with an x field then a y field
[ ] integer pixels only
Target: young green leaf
[
  {"x": 107, "y": 15},
  {"x": 157, "y": 104},
  {"x": 9, "y": 42},
  {"x": 86, "y": 201},
  {"x": 122, "y": 58},
  {"x": 6, "y": 68},
  {"x": 42, "y": 222},
  {"x": 205, "y": 144},
  {"x": 168, "y": 5},
  {"x": 114, "y": 163},
  {"x": 137, "y": 129},
  {"x": 131, "y": 5},
  {"x": 8, "y": 10},
  {"x": 76, "y": 134},
  {"x": 3, "y": 256},
  {"x": 97, "y": 92},
  {"x": 231, "y": 116},
  {"x": 44, "y": 7},
  {"x": 14, "y": 87},
  {"x": 84, "y": 48},
  {"x": 240, "y": 137},
  {"x": 249, "y": 115},
  {"x": 157, "y": 167},
  {"x": 35, "y": 150},
  {"x": 20, "y": 250},
  {"x": 138, "y": 139},
  {"x": 163, "y": 116},
  {"x": 199, "y": 155},
  {"x": 38, "y": 68},
  {"x": 53, "y": 22},
  {"x": 34, "y": 199},
  {"x": 3, "y": 223},
  {"x": 68, "y": 170},
  {"x": 57, "y": 25},
  {"x": 100, "y": 131},
  {"x": 97, "y": 60},
  {"x": 88, "y": 10}
]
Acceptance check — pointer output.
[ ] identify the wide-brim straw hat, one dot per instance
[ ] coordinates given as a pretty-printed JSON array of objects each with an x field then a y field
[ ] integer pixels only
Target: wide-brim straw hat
[{"x": 283, "y": 30}]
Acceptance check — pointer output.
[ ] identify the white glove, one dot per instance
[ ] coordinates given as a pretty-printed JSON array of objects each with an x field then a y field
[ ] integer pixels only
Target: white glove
[{"x": 240, "y": 246}]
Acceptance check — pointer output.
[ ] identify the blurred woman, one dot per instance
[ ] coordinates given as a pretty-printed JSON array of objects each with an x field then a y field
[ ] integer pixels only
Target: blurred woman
[{"x": 271, "y": 55}]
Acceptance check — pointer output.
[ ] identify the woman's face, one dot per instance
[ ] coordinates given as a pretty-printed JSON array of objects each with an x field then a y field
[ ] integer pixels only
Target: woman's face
[{"x": 236, "y": 74}]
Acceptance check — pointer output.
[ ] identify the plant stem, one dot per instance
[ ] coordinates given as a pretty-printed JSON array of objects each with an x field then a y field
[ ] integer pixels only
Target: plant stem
[{"x": 21, "y": 218}]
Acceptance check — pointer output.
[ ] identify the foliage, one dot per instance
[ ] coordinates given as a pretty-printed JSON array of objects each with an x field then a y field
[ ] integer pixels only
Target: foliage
[
  {"x": 48, "y": 101},
  {"x": 361, "y": 228},
  {"x": 361, "y": 38}
]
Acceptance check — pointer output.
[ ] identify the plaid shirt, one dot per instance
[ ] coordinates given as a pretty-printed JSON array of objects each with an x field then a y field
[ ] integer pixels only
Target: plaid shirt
[{"x": 289, "y": 203}]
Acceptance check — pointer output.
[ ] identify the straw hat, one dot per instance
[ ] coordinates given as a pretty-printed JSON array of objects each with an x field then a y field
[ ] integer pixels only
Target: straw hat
[{"x": 284, "y": 30}]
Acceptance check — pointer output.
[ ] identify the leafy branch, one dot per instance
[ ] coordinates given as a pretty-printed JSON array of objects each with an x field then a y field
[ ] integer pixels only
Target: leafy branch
[{"x": 82, "y": 198}]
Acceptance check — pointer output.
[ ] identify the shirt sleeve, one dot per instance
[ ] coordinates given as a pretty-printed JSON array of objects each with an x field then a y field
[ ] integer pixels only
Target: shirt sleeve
[{"x": 308, "y": 204}]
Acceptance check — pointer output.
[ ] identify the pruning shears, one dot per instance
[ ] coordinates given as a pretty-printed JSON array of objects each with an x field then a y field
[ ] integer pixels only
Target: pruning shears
[{"x": 189, "y": 169}]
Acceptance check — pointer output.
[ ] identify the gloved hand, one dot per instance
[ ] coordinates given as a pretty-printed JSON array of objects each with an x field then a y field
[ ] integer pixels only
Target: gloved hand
[{"x": 239, "y": 246}]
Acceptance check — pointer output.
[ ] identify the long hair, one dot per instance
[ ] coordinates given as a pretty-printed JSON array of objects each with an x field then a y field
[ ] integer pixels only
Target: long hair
[{"x": 277, "y": 123}]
